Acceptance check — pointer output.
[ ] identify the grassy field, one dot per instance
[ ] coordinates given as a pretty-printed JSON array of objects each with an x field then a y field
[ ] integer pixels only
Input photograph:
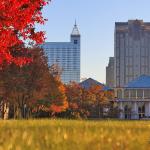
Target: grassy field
[{"x": 74, "y": 135}]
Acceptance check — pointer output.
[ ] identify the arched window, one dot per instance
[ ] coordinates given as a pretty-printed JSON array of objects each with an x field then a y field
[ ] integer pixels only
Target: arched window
[
  {"x": 141, "y": 111},
  {"x": 127, "y": 112}
]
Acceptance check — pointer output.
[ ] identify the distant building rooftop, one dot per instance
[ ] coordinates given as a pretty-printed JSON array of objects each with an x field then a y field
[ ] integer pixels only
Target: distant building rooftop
[
  {"x": 91, "y": 82},
  {"x": 75, "y": 31},
  {"x": 140, "y": 82}
]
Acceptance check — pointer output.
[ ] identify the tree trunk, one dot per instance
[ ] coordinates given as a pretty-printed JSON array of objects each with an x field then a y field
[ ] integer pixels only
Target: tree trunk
[
  {"x": 17, "y": 113},
  {"x": 6, "y": 110}
]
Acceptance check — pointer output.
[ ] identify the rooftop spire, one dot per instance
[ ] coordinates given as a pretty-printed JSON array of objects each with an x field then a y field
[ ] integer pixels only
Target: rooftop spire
[
  {"x": 75, "y": 23},
  {"x": 75, "y": 30}
]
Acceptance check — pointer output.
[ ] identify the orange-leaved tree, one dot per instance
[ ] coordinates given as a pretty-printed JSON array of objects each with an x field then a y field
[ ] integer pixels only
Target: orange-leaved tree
[
  {"x": 78, "y": 100},
  {"x": 102, "y": 99},
  {"x": 55, "y": 101},
  {"x": 32, "y": 88}
]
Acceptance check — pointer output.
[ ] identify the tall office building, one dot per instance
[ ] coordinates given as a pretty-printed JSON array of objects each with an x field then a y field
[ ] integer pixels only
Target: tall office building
[
  {"x": 132, "y": 51},
  {"x": 110, "y": 73},
  {"x": 66, "y": 55},
  {"x": 132, "y": 69}
]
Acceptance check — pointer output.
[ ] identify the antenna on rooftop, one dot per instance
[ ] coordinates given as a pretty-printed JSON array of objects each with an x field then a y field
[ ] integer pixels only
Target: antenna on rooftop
[{"x": 75, "y": 23}]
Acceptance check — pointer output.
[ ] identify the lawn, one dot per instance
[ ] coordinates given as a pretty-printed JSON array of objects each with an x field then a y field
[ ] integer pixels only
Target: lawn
[{"x": 74, "y": 135}]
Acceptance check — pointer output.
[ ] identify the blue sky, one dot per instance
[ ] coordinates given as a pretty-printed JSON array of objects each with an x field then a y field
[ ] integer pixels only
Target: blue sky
[{"x": 96, "y": 19}]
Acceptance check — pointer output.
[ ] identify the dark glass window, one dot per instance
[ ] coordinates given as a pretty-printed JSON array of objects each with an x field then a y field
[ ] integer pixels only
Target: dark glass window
[{"x": 75, "y": 41}]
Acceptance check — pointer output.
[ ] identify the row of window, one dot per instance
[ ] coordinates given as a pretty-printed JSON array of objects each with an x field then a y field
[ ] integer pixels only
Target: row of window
[{"x": 134, "y": 93}]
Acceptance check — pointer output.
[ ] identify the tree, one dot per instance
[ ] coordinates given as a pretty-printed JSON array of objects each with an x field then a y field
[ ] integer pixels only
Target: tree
[
  {"x": 55, "y": 100},
  {"x": 33, "y": 86},
  {"x": 73, "y": 93},
  {"x": 89, "y": 102},
  {"x": 78, "y": 99},
  {"x": 102, "y": 100},
  {"x": 17, "y": 27},
  {"x": 20, "y": 85}
]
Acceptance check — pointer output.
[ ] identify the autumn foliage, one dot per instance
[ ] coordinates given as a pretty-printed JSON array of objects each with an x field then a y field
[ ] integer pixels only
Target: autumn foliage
[
  {"x": 17, "y": 27},
  {"x": 84, "y": 103},
  {"x": 33, "y": 88},
  {"x": 55, "y": 100}
]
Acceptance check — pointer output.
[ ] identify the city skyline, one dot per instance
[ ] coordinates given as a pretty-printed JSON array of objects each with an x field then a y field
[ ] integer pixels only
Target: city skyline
[{"x": 96, "y": 24}]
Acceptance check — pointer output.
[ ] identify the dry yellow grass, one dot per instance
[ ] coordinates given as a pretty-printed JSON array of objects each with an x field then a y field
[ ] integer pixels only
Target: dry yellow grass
[{"x": 74, "y": 135}]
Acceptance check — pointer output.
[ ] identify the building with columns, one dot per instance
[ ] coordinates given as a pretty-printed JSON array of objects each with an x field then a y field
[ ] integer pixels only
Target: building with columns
[
  {"x": 66, "y": 55},
  {"x": 134, "y": 99}
]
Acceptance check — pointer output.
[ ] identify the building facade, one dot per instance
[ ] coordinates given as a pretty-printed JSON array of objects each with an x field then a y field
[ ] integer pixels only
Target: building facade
[
  {"x": 132, "y": 51},
  {"x": 131, "y": 69},
  {"x": 110, "y": 73},
  {"x": 66, "y": 55},
  {"x": 134, "y": 99}
]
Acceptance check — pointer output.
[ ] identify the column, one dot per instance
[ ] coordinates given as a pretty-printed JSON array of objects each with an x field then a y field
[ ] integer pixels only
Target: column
[
  {"x": 134, "y": 111},
  {"x": 129, "y": 94},
  {"x": 148, "y": 109},
  {"x": 122, "y": 93},
  {"x": 136, "y": 94},
  {"x": 116, "y": 91},
  {"x": 143, "y": 94},
  {"x": 121, "y": 110}
]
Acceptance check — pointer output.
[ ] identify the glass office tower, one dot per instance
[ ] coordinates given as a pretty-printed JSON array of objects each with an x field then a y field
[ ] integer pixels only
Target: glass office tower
[{"x": 66, "y": 55}]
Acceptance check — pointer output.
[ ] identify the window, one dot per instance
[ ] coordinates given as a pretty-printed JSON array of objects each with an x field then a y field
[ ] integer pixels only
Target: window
[{"x": 75, "y": 41}]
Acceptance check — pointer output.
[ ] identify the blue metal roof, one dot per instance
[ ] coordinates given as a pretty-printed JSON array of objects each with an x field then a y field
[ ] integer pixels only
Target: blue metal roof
[
  {"x": 140, "y": 82},
  {"x": 91, "y": 82}
]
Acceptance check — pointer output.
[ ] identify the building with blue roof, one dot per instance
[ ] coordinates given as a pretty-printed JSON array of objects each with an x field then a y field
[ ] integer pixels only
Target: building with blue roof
[{"x": 134, "y": 98}]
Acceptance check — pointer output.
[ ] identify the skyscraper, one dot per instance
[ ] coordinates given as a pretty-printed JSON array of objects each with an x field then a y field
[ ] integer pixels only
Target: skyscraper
[
  {"x": 132, "y": 51},
  {"x": 66, "y": 55}
]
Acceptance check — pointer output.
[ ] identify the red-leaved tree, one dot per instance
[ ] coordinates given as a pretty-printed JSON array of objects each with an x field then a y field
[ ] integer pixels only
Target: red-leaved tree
[{"x": 17, "y": 27}]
